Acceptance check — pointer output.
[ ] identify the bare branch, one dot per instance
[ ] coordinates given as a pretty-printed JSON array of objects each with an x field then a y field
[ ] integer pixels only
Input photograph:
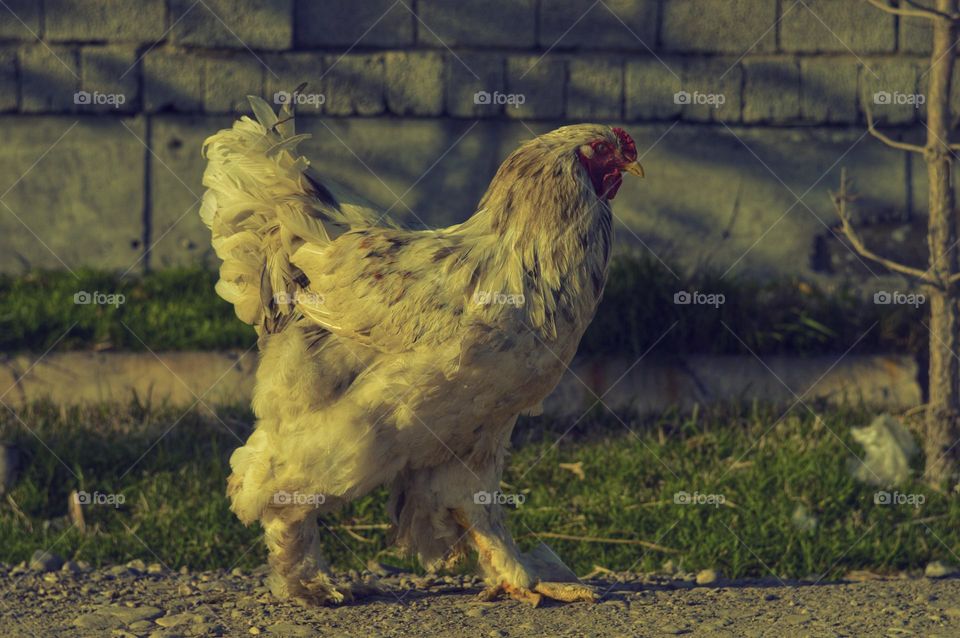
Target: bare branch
[
  {"x": 871, "y": 126},
  {"x": 840, "y": 201},
  {"x": 913, "y": 10}
]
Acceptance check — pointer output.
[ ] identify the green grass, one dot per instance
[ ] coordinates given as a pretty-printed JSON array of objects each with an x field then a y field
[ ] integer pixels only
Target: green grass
[
  {"x": 167, "y": 310},
  {"x": 175, "y": 510},
  {"x": 178, "y": 310}
]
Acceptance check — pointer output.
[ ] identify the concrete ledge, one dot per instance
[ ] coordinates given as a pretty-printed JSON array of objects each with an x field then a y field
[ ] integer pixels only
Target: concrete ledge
[
  {"x": 185, "y": 378},
  {"x": 178, "y": 378},
  {"x": 652, "y": 386}
]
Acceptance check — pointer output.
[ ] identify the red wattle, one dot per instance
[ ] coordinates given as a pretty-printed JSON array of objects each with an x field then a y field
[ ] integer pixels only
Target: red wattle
[{"x": 611, "y": 184}]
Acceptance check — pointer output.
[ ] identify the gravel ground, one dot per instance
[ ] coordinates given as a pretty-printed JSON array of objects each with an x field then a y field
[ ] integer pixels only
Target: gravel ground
[{"x": 51, "y": 598}]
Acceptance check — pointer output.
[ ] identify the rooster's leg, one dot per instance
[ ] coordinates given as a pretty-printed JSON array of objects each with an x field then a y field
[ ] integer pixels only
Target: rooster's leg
[
  {"x": 526, "y": 577},
  {"x": 297, "y": 567}
]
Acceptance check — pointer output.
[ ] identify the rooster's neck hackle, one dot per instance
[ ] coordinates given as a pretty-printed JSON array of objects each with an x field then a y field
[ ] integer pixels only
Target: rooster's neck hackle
[{"x": 552, "y": 233}]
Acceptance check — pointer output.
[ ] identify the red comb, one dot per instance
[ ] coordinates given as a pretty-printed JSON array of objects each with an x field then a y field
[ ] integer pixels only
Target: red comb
[{"x": 627, "y": 146}]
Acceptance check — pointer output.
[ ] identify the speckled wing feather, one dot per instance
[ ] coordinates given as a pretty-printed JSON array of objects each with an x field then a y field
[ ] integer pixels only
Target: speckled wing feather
[{"x": 394, "y": 290}]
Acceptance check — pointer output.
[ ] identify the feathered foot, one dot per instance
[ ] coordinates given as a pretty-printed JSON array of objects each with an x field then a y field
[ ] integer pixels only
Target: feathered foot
[
  {"x": 529, "y": 577},
  {"x": 322, "y": 589},
  {"x": 298, "y": 570},
  {"x": 319, "y": 590}
]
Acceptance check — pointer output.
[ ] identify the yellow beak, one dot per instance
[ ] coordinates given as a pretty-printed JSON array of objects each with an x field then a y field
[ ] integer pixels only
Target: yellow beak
[{"x": 634, "y": 168}]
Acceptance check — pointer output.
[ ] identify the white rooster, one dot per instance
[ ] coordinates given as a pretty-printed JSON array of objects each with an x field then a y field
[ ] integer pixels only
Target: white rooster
[{"x": 404, "y": 357}]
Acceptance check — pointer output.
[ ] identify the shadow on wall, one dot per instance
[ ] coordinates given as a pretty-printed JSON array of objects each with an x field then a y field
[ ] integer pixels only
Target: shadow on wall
[{"x": 739, "y": 185}]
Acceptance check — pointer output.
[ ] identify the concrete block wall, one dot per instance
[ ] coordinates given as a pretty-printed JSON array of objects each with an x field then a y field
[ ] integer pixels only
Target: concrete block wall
[{"x": 745, "y": 111}]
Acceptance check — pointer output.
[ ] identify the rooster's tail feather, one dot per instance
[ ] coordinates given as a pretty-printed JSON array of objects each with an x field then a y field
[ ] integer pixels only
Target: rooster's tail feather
[{"x": 262, "y": 203}]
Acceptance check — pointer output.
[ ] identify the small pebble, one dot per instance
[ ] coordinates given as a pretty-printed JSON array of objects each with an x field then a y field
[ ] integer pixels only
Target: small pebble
[
  {"x": 42, "y": 561},
  {"x": 937, "y": 569},
  {"x": 707, "y": 577}
]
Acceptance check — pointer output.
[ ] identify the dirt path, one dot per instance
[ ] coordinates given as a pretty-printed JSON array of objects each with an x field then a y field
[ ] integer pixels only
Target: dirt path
[{"x": 148, "y": 601}]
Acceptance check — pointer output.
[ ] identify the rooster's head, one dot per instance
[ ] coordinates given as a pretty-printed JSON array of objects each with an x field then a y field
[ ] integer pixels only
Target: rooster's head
[
  {"x": 594, "y": 155},
  {"x": 558, "y": 178},
  {"x": 605, "y": 157}
]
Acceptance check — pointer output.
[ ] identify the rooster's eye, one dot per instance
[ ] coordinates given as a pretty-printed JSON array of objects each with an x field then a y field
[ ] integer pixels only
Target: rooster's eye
[{"x": 601, "y": 148}]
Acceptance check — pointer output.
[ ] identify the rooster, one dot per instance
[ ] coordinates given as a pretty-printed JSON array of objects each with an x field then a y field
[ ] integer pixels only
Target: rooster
[{"x": 404, "y": 357}]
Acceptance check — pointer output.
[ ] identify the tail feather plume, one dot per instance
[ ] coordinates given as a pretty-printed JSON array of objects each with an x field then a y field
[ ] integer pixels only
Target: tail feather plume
[{"x": 262, "y": 203}]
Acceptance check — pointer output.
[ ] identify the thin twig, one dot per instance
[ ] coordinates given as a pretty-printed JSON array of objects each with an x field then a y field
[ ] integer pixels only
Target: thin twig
[
  {"x": 921, "y": 521},
  {"x": 19, "y": 512},
  {"x": 914, "y": 10},
  {"x": 597, "y": 539},
  {"x": 356, "y": 536},
  {"x": 871, "y": 126},
  {"x": 597, "y": 571},
  {"x": 840, "y": 203}
]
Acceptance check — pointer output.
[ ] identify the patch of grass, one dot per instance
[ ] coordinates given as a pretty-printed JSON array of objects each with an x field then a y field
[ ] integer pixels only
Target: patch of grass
[
  {"x": 172, "y": 473},
  {"x": 178, "y": 310},
  {"x": 166, "y": 310}
]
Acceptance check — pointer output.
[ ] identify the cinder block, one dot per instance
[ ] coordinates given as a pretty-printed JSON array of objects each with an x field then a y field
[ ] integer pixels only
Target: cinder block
[
  {"x": 652, "y": 87},
  {"x": 289, "y": 70},
  {"x": 719, "y": 26},
  {"x": 179, "y": 238},
  {"x": 8, "y": 80},
  {"x": 711, "y": 89},
  {"x": 344, "y": 23},
  {"x": 48, "y": 78},
  {"x": 771, "y": 90},
  {"x": 414, "y": 83},
  {"x": 228, "y": 82},
  {"x": 20, "y": 20},
  {"x": 828, "y": 89},
  {"x": 837, "y": 26},
  {"x": 109, "y": 79},
  {"x": 595, "y": 88},
  {"x": 253, "y": 24},
  {"x": 501, "y": 23},
  {"x": 889, "y": 88},
  {"x": 354, "y": 85},
  {"x": 585, "y": 24},
  {"x": 470, "y": 80},
  {"x": 541, "y": 83},
  {"x": 172, "y": 81},
  {"x": 83, "y": 199},
  {"x": 916, "y": 36},
  {"x": 109, "y": 20}
]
